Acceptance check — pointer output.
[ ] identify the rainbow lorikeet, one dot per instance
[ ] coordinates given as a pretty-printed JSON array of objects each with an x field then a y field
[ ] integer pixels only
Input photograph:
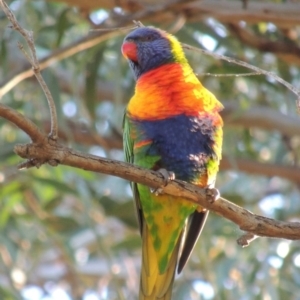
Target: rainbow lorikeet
[{"x": 172, "y": 123}]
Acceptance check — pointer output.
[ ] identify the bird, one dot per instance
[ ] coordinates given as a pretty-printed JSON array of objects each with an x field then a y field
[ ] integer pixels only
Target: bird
[{"x": 171, "y": 124}]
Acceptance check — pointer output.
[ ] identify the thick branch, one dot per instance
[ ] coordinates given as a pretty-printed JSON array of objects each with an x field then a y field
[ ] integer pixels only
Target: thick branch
[
  {"x": 22, "y": 122},
  {"x": 246, "y": 220}
]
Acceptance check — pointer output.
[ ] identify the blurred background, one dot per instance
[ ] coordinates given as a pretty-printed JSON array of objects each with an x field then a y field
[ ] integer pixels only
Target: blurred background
[{"x": 70, "y": 234}]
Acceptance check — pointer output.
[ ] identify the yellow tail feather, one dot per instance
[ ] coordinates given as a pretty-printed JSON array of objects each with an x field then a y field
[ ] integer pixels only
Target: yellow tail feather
[{"x": 155, "y": 286}]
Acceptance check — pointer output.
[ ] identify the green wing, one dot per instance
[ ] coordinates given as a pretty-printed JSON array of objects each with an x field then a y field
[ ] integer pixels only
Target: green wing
[
  {"x": 128, "y": 144},
  {"x": 127, "y": 141}
]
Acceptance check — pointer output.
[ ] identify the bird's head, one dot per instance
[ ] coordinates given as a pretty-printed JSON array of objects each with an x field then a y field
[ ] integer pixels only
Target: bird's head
[{"x": 147, "y": 48}]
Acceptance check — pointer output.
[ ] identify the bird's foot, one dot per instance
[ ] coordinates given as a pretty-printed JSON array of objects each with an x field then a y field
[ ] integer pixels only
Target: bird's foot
[
  {"x": 168, "y": 176},
  {"x": 212, "y": 195}
]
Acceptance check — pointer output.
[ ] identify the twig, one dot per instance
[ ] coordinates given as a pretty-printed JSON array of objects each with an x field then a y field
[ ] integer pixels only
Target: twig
[
  {"x": 28, "y": 36},
  {"x": 248, "y": 66},
  {"x": 246, "y": 239},
  {"x": 124, "y": 28},
  {"x": 55, "y": 56},
  {"x": 138, "y": 23},
  {"x": 230, "y": 75}
]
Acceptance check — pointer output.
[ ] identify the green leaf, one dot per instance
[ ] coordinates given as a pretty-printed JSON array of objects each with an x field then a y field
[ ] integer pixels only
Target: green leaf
[{"x": 62, "y": 25}]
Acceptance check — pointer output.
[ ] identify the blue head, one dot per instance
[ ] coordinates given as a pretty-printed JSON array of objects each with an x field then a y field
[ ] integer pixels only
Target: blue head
[{"x": 147, "y": 48}]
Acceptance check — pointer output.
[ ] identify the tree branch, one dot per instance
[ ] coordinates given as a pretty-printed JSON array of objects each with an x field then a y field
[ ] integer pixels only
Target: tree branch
[
  {"x": 22, "y": 122},
  {"x": 246, "y": 220}
]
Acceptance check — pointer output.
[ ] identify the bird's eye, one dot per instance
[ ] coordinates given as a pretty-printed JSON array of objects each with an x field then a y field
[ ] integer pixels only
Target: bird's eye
[{"x": 146, "y": 38}]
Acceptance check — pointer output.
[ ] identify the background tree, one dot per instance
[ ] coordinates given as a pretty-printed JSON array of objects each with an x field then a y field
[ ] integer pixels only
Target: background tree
[{"x": 71, "y": 234}]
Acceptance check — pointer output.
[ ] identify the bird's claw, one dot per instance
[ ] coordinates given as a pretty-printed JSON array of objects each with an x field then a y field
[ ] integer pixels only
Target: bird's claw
[
  {"x": 157, "y": 191},
  {"x": 212, "y": 195},
  {"x": 168, "y": 176}
]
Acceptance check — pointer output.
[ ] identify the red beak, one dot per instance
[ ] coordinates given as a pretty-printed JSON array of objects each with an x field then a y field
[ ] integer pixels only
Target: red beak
[{"x": 129, "y": 50}]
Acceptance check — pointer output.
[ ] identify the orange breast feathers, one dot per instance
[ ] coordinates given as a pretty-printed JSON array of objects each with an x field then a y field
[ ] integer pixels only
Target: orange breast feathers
[{"x": 171, "y": 90}]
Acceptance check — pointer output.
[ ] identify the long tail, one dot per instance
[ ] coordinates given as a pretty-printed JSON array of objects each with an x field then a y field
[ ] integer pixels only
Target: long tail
[{"x": 155, "y": 286}]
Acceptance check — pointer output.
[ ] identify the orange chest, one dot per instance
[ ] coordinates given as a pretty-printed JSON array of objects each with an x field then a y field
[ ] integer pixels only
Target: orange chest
[{"x": 170, "y": 90}]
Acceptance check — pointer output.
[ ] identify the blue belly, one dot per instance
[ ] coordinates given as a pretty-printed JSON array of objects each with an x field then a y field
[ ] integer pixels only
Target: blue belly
[{"x": 183, "y": 143}]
